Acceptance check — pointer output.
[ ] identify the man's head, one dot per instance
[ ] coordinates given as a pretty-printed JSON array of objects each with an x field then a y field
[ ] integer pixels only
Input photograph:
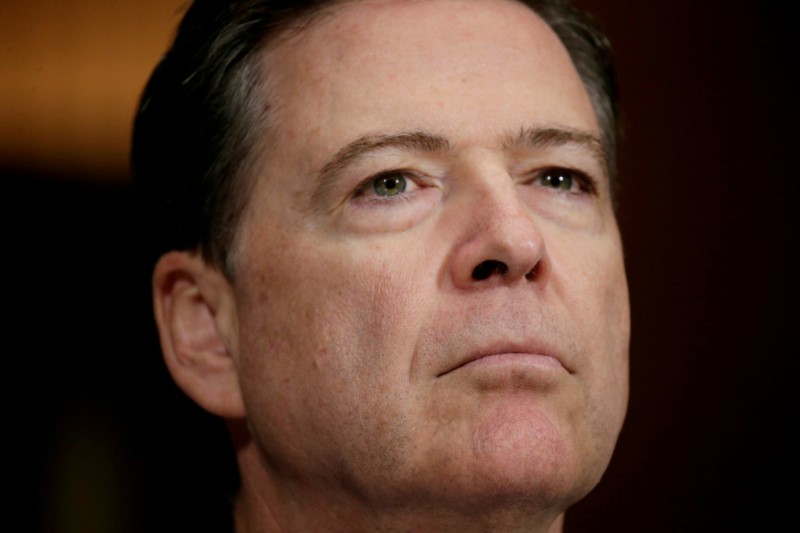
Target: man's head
[{"x": 411, "y": 284}]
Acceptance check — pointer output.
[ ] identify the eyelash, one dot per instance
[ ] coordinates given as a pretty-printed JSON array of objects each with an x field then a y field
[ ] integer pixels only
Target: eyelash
[{"x": 585, "y": 183}]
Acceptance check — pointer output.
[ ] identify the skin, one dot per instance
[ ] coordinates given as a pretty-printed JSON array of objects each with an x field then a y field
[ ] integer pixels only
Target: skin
[{"x": 338, "y": 348}]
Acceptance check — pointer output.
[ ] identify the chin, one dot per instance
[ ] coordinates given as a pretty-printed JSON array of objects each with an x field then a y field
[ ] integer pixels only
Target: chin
[
  {"x": 523, "y": 456},
  {"x": 514, "y": 459}
]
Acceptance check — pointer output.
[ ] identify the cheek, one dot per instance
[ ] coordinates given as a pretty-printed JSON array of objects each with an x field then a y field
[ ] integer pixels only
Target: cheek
[
  {"x": 373, "y": 325},
  {"x": 592, "y": 282},
  {"x": 327, "y": 346},
  {"x": 610, "y": 392}
]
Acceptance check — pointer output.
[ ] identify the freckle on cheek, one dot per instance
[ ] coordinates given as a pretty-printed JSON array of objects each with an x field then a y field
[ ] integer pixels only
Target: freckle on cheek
[{"x": 262, "y": 297}]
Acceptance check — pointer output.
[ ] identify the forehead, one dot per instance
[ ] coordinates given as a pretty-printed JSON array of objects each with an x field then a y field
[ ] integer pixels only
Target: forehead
[{"x": 409, "y": 63}]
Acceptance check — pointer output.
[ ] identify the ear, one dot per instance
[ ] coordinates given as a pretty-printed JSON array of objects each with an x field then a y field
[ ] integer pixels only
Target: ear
[{"x": 196, "y": 317}]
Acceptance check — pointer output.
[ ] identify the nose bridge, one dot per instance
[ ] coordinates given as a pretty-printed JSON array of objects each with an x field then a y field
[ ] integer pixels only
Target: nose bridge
[
  {"x": 500, "y": 241},
  {"x": 506, "y": 215}
]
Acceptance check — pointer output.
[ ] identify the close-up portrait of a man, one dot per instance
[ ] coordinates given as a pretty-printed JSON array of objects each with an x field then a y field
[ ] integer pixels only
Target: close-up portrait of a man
[{"x": 387, "y": 256}]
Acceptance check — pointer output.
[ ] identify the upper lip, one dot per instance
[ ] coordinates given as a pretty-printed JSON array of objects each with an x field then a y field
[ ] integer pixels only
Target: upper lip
[{"x": 493, "y": 348}]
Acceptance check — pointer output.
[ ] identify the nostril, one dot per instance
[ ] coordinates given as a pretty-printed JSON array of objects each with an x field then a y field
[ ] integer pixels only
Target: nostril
[{"x": 487, "y": 268}]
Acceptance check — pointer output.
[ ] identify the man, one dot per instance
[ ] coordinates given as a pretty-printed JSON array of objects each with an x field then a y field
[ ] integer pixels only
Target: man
[{"x": 391, "y": 261}]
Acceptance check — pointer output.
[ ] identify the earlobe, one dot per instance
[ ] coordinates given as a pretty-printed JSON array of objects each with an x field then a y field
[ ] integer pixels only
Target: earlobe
[{"x": 196, "y": 319}]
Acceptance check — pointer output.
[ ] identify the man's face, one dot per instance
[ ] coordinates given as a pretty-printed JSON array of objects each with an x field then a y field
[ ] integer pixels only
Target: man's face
[{"x": 430, "y": 307}]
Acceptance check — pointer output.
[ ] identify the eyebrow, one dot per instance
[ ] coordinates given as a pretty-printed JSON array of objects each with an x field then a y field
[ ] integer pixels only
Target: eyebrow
[
  {"x": 424, "y": 141},
  {"x": 550, "y": 137},
  {"x": 411, "y": 141}
]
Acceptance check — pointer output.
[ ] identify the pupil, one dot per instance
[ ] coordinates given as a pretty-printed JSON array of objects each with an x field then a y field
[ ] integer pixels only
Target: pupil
[{"x": 559, "y": 180}]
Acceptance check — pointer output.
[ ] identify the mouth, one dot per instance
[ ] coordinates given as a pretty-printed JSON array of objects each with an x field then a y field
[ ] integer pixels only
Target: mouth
[{"x": 510, "y": 355}]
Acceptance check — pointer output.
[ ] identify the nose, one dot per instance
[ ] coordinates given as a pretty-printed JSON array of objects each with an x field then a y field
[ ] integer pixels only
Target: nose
[{"x": 501, "y": 242}]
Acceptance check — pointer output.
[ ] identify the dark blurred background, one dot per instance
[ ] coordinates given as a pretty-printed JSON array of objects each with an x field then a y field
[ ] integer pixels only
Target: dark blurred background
[{"x": 100, "y": 439}]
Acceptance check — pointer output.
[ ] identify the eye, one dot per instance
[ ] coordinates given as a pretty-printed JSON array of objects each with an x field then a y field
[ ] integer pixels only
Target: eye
[
  {"x": 389, "y": 184},
  {"x": 558, "y": 178},
  {"x": 393, "y": 188}
]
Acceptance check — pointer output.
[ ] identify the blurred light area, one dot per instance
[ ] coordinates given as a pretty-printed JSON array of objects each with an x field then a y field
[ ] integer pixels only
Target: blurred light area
[{"x": 71, "y": 72}]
